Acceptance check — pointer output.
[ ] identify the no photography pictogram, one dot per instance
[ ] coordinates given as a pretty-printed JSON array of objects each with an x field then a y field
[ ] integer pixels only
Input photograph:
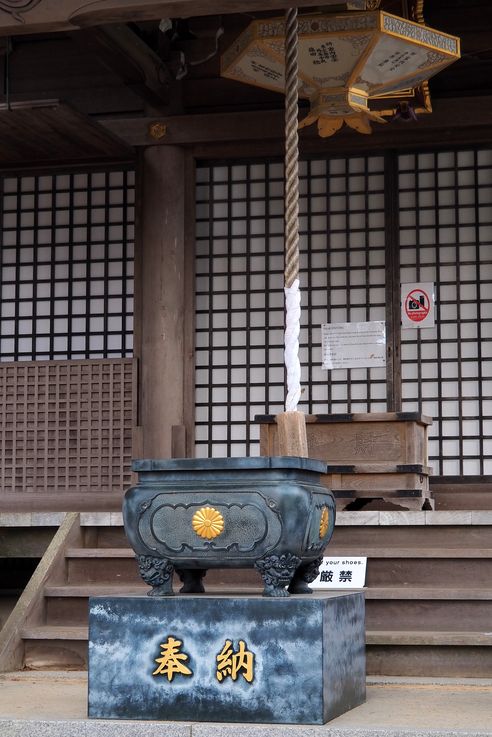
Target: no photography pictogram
[{"x": 417, "y": 305}]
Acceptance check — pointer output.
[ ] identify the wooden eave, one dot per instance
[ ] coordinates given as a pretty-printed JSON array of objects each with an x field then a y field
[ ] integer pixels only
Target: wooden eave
[
  {"x": 46, "y": 133},
  {"x": 117, "y": 81},
  {"x": 45, "y": 16}
]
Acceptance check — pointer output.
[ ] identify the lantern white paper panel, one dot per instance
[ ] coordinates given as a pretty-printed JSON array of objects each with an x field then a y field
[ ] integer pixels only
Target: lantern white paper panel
[
  {"x": 446, "y": 238},
  {"x": 239, "y": 292}
]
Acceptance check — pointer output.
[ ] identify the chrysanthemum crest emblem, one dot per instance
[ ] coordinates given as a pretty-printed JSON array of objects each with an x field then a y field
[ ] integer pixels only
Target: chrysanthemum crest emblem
[
  {"x": 208, "y": 523},
  {"x": 324, "y": 522}
]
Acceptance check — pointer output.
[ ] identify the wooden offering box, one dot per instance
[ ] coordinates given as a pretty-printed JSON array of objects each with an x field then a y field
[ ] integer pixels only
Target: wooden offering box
[{"x": 369, "y": 455}]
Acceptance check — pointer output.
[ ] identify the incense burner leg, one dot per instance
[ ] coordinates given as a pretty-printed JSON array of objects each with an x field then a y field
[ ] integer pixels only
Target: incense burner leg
[
  {"x": 158, "y": 573},
  {"x": 277, "y": 572},
  {"x": 192, "y": 581},
  {"x": 305, "y": 575}
]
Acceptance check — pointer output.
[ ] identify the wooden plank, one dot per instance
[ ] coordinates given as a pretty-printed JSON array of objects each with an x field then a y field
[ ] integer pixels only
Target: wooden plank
[{"x": 43, "y": 16}]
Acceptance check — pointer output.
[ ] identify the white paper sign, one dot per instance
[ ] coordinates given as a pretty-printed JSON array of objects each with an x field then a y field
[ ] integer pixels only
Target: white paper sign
[
  {"x": 341, "y": 573},
  {"x": 417, "y": 305},
  {"x": 353, "y": 344}
]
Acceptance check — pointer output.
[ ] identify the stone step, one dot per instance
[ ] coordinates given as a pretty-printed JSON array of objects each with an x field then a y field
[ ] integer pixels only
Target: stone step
[
  {"x": 470, "y": 495},
  {"x": 436, "y": 613},
  {"x": 118, "y": 565},
  {"x": 123, "y": 552},
  {"x": 393, "y": 566},
  {"x": 388, "y": 592},
  {"x": 469, "y": 500},
  {"x": 58, "y": 632},
  {"x": 428, "y": 593},
  {"x": 432, "y": 575},
  {"x": 409, "y": 606},
  {"x": 442, "y": 572},
  {"x": 425, "y": 637},
  {"x": 70, "y": 604},
  {"x": 466, "y": 654},
  {"x": 86, "y": 590},
  {"x": 450, "y": 654},
  {"x": 60, "y": 647},
  {"x": 106, "y": 536},
  {"x": 332, "y": 550},
  {"x": 87, "y": 565},
  {"x": 373, "y": 637},
  {"x": 410, "y": 535},
  {"x": 456, "y": 552}
]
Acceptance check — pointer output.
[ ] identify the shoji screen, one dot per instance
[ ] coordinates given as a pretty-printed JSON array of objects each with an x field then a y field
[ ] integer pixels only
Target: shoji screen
[
  {"x": 239, "y": 291},
  {"x": 66, "y": 266},
  {"x": 446, "y": 238}
]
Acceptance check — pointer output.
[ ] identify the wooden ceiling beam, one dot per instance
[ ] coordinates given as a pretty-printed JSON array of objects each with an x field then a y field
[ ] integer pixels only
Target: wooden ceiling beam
[
  {"x": 187, "y": 130},
  {"x": 125, "y": 54},
  {"x": 44, "y": 16},
  {"x": 346, "y": 144}
]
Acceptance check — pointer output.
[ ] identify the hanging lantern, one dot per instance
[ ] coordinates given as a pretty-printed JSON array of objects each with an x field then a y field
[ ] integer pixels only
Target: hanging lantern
[{"x": 345, "y": 60}]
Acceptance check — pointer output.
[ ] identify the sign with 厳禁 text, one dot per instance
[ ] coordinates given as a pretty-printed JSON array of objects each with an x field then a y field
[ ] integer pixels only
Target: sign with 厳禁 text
[{"x": 341, "y": 573}]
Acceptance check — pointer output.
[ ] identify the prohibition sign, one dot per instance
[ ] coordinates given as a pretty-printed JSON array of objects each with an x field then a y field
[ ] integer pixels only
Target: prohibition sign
[{"x": 417, "y": 305}]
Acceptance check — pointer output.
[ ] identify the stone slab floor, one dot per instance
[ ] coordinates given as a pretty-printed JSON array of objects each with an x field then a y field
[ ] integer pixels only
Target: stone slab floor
[{"x": 55, "y": 704}]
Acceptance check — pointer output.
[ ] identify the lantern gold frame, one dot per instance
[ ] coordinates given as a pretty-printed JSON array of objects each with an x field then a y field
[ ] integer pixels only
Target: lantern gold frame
[{"x": 345, "y": 61}]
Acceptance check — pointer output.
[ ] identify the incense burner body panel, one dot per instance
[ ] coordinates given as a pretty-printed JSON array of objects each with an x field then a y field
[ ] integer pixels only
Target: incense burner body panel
[{"x": 192, "y": 515}]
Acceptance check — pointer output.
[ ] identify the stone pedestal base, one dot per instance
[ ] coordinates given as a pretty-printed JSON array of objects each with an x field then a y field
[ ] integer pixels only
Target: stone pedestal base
[{"x": 227, "y": 659}]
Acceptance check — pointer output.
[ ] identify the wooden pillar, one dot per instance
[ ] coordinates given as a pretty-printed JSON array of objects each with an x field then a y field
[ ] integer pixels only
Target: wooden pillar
[
  {"x": 164, "y": 302},
  {"x": 393, "y": 317}
]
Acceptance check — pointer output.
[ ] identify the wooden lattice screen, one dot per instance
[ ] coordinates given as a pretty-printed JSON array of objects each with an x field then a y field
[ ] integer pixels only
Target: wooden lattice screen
[{"x": 66, "y": 426}]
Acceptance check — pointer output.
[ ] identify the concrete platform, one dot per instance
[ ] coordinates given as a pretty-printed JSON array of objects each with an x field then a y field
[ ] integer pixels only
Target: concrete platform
[{"x": 42, "y": 704}]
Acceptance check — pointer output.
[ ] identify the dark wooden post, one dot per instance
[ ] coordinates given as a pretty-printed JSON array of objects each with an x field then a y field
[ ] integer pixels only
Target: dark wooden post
[
  {"x": 164, "y": 302},
  {"x": 393, "y": 319}
]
